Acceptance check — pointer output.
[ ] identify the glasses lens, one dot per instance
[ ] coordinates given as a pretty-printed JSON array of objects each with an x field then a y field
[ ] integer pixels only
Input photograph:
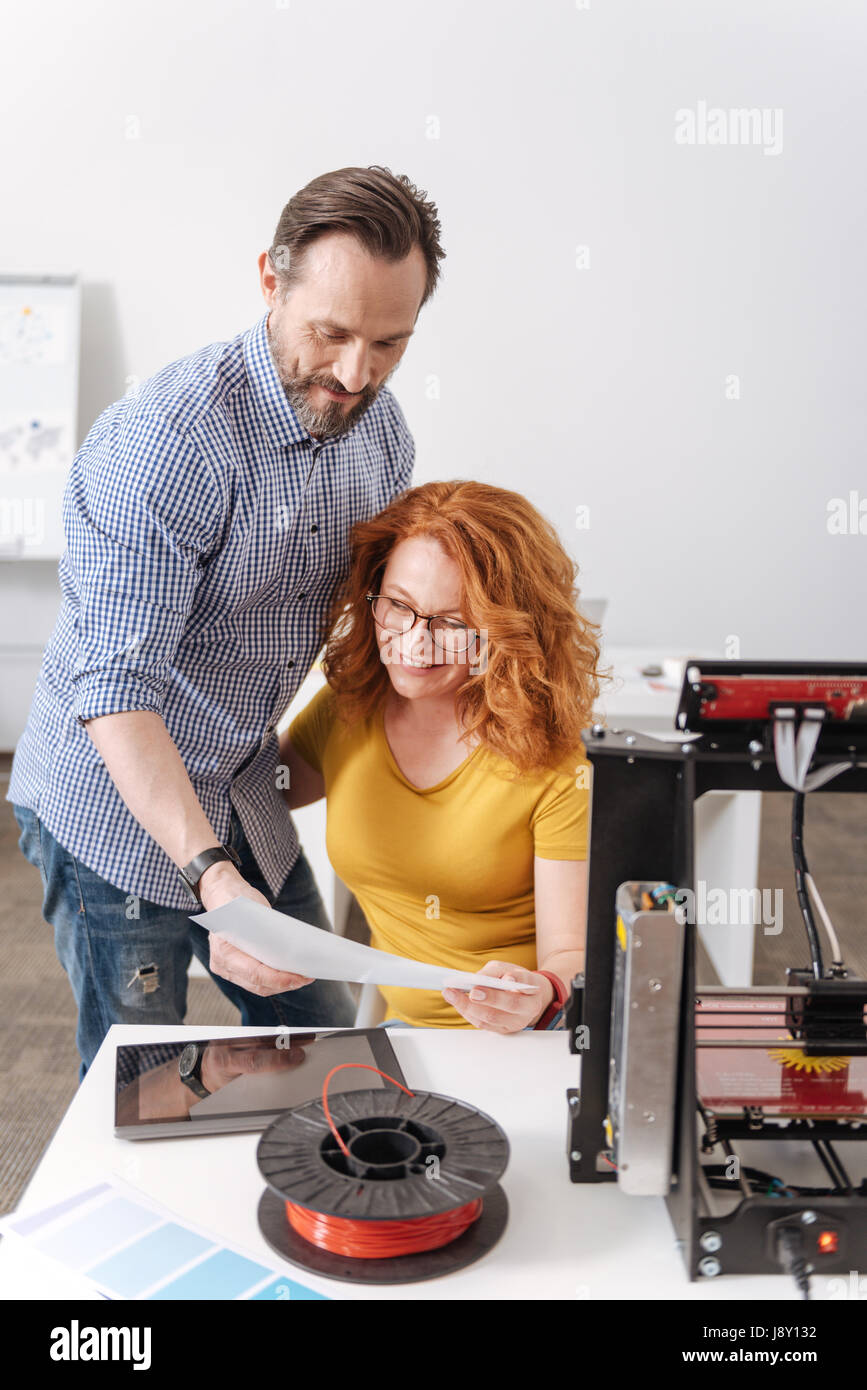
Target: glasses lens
[
  {"x": 392, "y": 615},
  {"x": 450, "y": 637}
]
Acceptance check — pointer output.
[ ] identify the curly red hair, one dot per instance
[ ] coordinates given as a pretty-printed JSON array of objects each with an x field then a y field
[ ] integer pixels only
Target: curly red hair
[{"x": 540, "y": 682}]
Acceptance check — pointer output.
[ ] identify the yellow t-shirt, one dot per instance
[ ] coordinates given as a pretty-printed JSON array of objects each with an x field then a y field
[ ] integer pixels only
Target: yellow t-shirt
[{"x": 442, "y": 873}]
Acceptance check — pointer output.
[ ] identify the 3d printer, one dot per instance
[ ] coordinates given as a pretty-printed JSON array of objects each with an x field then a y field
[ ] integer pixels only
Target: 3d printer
[{"x": 674, "y": 1077}]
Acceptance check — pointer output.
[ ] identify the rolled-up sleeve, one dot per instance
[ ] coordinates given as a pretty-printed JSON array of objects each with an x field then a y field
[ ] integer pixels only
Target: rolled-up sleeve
[{"x": 142, "y": 509}]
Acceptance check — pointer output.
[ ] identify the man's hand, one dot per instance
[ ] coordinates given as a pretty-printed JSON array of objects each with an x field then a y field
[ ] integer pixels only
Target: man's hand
[
  {"x": 221, "y": 883},
  {"x": 224, "y": 1061}
]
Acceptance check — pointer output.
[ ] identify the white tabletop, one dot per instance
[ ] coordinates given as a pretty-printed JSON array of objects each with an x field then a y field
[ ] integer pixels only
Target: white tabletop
[
  {"x": 563, "y": 1240},
  {"x": 633, "y": 700}
]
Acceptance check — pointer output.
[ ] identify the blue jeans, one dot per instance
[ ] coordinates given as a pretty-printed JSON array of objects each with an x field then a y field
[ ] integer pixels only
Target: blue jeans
[{"x": 133, "y": 969}]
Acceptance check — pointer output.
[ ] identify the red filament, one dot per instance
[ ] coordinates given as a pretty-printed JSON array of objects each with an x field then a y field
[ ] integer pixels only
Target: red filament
[{"x": 379, "y": 1240}]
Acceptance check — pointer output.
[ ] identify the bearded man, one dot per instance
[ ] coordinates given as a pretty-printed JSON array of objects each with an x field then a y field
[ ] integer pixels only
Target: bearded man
[{"x": 206, "y": 521}]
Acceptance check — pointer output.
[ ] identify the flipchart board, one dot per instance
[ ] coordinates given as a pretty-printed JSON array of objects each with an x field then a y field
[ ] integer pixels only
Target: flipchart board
[{"x": 40, "y": 319}]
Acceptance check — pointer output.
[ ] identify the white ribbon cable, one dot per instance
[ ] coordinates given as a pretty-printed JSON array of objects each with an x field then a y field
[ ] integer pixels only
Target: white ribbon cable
[
  {"x": 818, "y": 779},
  {"x": 784, "y": 750},
  {"x": 805, "y": 746},
  {"x": 793, "y": 758}
]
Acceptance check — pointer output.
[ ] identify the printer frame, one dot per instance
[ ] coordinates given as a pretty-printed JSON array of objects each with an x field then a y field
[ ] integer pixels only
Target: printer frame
[{"x": 644, "y": 792}]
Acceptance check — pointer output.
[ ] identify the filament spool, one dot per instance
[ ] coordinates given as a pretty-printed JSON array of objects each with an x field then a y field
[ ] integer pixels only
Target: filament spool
[{"x": 411, "y": 1158}]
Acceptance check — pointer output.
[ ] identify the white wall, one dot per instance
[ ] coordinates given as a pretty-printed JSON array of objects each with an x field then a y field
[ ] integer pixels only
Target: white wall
[{"x": 153, "y": 146}]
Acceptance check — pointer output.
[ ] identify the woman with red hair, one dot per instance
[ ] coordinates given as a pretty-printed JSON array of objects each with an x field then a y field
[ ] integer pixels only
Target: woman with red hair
[{"x": 447, "y": 742}]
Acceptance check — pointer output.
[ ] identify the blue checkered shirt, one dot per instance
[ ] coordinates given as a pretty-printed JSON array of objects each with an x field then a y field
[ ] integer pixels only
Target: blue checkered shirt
[{"x": 206, "y": 534}]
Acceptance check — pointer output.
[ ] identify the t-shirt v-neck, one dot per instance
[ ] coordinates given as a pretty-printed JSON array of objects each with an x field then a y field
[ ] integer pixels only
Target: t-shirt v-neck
[{"x": 398, "y": 771}]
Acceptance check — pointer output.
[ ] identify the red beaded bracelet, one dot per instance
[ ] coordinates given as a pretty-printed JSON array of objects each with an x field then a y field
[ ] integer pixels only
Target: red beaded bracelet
[{"x": 560, "y": 996}]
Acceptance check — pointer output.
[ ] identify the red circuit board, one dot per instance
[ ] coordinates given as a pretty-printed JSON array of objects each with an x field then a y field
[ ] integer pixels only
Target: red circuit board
[
  {"x": 752, "y": 697},
  {"x": 730, "y": 1078}
]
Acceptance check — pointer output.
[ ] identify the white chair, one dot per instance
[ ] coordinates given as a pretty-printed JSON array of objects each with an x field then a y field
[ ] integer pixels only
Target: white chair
[{"x": 370, "y": 1009}]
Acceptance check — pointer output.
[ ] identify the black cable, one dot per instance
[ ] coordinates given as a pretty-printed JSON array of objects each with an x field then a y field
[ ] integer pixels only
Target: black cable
[
  {"x": 826, "y": 1163},
  {"x": 842, "y": 1177},
  {"x": 790, "y": 1254},
  {"x": 791, "y": 1191},
  {"x": 718, "y": 1170},
  {"x": 801, "y": 871}
]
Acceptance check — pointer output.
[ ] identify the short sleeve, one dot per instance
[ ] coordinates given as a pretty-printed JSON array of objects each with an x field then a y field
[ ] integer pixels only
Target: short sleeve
[
  {"x": 141, "y": 511},
  {"x": 561, "y": 816},
  {"x": 310, "y": 730}
]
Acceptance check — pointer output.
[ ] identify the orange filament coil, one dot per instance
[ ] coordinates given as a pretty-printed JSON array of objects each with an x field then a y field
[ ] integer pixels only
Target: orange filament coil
[
  {"x": 359, "y": 1181},
  {"x": 376, "y": 1240}
]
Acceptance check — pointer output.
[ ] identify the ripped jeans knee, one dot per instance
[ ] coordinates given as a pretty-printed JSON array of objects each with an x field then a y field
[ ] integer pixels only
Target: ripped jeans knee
[{"x": 146, "y": 978}]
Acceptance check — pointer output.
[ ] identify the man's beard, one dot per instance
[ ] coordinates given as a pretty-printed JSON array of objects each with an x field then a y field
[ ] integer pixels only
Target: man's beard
[{"x": 332, "y": 421}]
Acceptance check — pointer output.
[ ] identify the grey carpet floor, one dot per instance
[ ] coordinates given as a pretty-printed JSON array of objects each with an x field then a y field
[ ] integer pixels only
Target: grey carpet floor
[{"x": 39, "y": 1072}]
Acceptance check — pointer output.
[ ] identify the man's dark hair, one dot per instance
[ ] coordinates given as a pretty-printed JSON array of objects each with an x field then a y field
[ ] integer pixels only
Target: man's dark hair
[{"x": 386, "y": 213}]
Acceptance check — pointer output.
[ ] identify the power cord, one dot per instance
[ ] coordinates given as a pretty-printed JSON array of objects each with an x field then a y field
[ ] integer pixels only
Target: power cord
[{"x": 789, "y": 1250}]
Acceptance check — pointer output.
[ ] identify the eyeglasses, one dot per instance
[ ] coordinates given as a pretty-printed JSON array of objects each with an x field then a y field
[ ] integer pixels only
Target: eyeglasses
[{"x": 394, "y": 616}]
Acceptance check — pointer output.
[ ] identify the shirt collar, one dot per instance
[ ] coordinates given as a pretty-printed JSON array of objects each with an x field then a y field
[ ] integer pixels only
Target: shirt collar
[{"x": 276, "y": 414}]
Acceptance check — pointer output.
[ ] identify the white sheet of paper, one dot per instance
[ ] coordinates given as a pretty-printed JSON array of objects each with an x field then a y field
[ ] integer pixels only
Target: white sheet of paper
[{"x": 284, "y": 943}]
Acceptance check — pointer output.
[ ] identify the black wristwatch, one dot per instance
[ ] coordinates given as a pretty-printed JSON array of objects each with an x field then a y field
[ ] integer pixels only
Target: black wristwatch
[
  {"x": 190, "y": 1068},
  {"x": 192, "y": 872}
]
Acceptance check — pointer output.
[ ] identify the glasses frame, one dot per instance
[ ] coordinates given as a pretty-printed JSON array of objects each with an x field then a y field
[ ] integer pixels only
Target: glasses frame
[{"x": 419, "y": 617}]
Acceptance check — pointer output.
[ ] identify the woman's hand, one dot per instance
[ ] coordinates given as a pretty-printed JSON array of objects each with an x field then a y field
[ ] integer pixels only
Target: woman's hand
[{"x": 499, "y": 1011}]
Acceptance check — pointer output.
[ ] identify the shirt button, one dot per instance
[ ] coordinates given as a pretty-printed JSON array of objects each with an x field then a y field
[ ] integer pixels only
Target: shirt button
[
  {"x": 290, "y": 664},
  {"x": 314, "y": 527},
  {"x": 301, "y": 597}
]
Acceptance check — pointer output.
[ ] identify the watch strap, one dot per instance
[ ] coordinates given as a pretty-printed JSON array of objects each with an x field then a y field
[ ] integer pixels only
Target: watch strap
[{"x": 191, "y": 873}]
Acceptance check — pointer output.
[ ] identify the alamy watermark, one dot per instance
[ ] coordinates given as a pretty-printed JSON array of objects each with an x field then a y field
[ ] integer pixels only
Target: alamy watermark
[
  {"x": 427, "y": 652},
  {"x": 732, "y": 907},
  {"x": 77, "y": 1343},
  {"x": 847, "y": 516},
  {"x": 741, "y": 125},
  {"x": 22, "y": 521}
]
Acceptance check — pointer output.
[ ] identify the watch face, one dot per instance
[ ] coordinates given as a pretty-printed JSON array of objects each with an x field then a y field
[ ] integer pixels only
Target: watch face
[{"x": 188, "y": 1059}]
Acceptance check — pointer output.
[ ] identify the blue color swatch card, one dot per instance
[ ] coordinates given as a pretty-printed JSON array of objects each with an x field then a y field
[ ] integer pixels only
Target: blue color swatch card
[{"x": 128, "y": 1247}]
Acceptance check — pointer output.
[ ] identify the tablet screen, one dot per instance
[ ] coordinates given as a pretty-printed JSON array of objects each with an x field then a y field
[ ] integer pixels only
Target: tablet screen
[{"x": 250, "y": 1079}]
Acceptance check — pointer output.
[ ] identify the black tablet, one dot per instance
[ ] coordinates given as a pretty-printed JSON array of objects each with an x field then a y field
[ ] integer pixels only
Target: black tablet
[{"x": 227, "y": 1085}]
